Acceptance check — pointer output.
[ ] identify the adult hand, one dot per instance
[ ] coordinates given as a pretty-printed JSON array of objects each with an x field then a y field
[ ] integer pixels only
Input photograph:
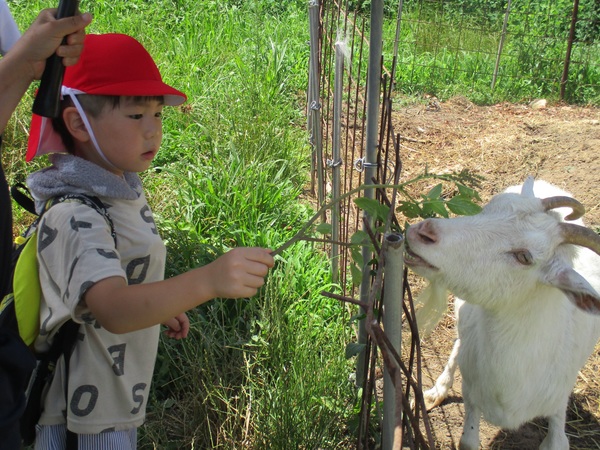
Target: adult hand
[{"x": 45, "y": 36}]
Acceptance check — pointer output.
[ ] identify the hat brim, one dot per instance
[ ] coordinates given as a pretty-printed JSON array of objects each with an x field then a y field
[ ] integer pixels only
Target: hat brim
[{"x": 144, "y": 88}]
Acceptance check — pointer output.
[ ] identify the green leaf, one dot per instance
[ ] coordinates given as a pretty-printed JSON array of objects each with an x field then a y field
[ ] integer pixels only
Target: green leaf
[
  {"x": 467, "y": 192},
  {"x": 357, "y": 274},
  {"x": 356, "y": 254},
  {"x": 353, "y": 349},
  {"x": 324, "y": 228},
  {"x": 463, "y": 206},
  {"x": 373, "y": 208},
  {"x": 436, "y": 207},
  {"x": 409, "y": 209},
  {"x": 435, "y": 193},
  {"x": 360, "y": 237}
]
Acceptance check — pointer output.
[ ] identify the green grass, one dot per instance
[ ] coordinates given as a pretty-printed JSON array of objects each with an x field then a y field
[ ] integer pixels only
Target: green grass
[
  {"x": 281, "y": 386},
  {"x": 445, "y": 53}
]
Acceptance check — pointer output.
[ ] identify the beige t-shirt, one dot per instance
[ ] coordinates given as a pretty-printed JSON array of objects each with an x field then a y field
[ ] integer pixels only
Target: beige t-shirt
[{"x": 110, "y": 374}]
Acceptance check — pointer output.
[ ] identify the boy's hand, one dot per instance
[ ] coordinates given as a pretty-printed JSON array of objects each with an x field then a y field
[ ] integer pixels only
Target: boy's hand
[
  {"x": 177, "y": 327},
  {"x": 240, "y": 272}
]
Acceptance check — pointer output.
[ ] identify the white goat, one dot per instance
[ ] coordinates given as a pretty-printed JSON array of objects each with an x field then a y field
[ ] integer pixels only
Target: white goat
[{"x": 526, "y": 286}]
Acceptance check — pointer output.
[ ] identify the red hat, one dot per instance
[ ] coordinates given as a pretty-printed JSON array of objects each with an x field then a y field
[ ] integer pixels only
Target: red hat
[{"x": 110, "y": 64}]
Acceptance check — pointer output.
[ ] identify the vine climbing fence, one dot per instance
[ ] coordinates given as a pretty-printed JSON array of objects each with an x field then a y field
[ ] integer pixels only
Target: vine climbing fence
[{"x": 367, "y": 55}]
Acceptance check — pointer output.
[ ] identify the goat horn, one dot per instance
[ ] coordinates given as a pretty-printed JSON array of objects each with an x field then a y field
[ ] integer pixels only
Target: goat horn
[
  {"x": 563, "y": 201},
  {"x": 578, "y": 235}
]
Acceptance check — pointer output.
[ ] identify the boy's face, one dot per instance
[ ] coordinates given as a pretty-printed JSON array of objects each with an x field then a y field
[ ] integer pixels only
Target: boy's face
[{"x": 129, "y": 135}]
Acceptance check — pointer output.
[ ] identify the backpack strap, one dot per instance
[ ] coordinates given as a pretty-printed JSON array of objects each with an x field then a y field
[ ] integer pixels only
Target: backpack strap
[
  {"x": 21, "y": 195},
  {"x": 88, "y": 200},
  {"x": 64, "y": 343},
  {"x": 5, "y": 232}
]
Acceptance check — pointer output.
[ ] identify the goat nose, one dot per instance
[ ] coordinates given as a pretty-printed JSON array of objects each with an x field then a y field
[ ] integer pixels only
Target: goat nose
[{"x": 426, "y": 232}]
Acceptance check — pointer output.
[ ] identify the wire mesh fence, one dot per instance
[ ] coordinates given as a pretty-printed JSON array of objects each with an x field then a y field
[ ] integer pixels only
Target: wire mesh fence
[
  {"x": 501, "y": 50},
  {"x": 488, "y": 51}
]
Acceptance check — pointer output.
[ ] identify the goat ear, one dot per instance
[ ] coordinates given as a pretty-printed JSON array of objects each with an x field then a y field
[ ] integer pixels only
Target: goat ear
[
  {"x": 575, "y": 287},
  {"x": 527, "y": 188}
]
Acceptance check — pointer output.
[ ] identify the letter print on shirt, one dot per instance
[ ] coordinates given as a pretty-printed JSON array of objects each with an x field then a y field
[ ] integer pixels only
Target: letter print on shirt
[
  {"x": 118, "y": 355},
  {"x": 146, "y": 215},
  {"x": 138, "y": 397},
  {"x": 46, "y": 236},
  {"x": 84, "y": 400},
  {"x": 107, "y": 254},
  {"x": 77, "y": 224},
  {"x": 137, "y": 269}
]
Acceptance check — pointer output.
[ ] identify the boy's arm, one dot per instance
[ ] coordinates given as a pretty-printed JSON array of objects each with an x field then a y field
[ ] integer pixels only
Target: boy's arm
[
  {"x": 122, "y": 308},
  {"x": 25, "y": 62}
]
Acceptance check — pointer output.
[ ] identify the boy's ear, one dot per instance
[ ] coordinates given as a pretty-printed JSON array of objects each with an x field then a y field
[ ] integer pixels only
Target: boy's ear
[{"x": 75, "y": 124}]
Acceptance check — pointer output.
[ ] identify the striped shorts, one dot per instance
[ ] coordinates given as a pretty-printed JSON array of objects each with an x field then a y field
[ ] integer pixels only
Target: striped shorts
[{"x": 54, "y": 437}]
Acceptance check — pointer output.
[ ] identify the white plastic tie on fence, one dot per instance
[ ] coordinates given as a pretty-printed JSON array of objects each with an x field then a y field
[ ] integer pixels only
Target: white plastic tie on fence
[
  {"x": 314, "y": 105},
  {"x": 361, "y": 164},
  {"x": 333, "y": 164}
]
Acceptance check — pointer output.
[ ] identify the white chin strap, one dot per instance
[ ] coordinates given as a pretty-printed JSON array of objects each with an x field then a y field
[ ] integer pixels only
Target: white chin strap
[{"x": 73, "y": 94}]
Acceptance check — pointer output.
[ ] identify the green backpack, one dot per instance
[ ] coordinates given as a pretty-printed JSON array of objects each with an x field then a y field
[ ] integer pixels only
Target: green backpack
[{"x": 20, "y": 308}]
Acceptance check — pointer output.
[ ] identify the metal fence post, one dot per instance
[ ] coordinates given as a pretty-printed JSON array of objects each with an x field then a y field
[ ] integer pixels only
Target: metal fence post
[
  {"x": 565, "y": 74},
  {"x": 501, "y": 45},
  {"x": 336, "y": 160},
  {"x": 370, "y": 165},
  {"x": 392, "y": 325},
  {"x": 314, "y": 101}
]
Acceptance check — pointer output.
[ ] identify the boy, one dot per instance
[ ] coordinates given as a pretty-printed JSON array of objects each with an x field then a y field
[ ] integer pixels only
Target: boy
[{"x": 111, "y": 128}]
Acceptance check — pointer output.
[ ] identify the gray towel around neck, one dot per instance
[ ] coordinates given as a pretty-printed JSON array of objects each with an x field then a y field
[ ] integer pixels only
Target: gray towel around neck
[{"x": 71, "y": 174}]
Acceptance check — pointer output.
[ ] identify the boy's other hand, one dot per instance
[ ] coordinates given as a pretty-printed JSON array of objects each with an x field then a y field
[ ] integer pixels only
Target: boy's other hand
[{"x": 177, "y": 327}]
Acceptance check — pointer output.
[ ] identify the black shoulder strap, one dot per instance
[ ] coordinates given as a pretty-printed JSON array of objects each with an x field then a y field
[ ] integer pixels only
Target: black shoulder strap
[
  {"x": 88, "y": 200},
  {"x": 21, "y": 195},
  {"x": 5, "y": 231}
]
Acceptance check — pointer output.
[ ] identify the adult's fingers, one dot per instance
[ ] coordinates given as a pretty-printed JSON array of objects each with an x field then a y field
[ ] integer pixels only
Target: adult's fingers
[{"x": 69, "y": 25}]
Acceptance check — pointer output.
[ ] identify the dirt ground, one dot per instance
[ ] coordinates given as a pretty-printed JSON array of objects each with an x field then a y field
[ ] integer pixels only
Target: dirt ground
[{"x": 505, "y": 143}]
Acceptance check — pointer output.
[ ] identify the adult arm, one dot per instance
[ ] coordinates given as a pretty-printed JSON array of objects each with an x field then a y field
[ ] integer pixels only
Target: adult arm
[
  {"x": 122, "y": 308},
  {"x": 25, "y": 62},
  {"x": 9, "y": 31}
]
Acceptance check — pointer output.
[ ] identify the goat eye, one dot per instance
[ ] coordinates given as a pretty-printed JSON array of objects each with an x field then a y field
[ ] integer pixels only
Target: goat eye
[{"x": 523, "y": 257}]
